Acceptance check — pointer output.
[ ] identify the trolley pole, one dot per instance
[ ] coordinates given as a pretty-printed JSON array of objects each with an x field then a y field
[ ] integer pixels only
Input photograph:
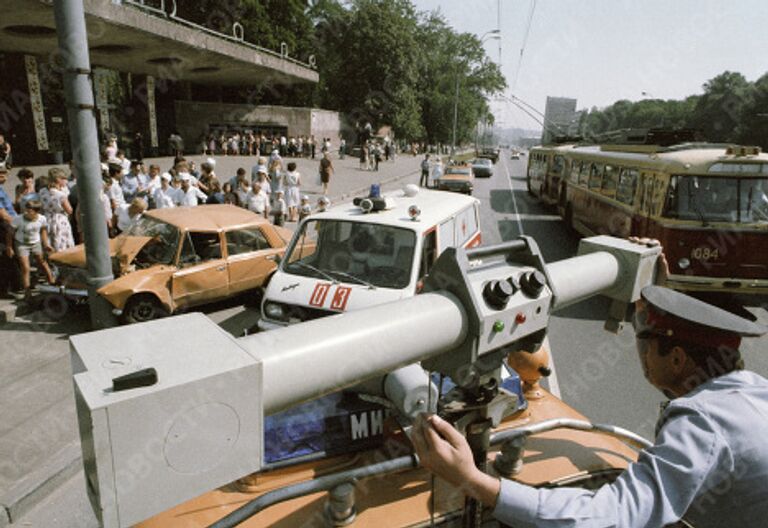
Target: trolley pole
[{"x": 73, "y": 47}]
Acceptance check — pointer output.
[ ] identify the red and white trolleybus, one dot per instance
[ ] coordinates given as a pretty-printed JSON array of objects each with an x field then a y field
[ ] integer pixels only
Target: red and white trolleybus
[{"x": 706, "y": 203}]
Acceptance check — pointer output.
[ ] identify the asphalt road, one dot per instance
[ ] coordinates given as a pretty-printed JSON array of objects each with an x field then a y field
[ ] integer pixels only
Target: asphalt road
[{"x": 596, "y": 372}]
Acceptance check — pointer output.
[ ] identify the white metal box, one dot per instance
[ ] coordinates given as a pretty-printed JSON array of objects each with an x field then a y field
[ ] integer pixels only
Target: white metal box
[
  {"x": 637, "y": 264},
  {"x": 200, "y": 426}
]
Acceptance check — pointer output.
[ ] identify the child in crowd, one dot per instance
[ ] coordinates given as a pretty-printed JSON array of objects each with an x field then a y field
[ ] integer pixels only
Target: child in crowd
[
  {"x": 230, "y": 197},
  {"x": 280, "y": 208},
  {"x": 305, "y": 209},
  {"x": 323, "y": 203},
  {"x": 29, "y": 232}
]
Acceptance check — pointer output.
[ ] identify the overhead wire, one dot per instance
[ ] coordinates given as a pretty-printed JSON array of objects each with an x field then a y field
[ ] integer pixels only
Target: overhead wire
[{"x": 525, "y": 42}]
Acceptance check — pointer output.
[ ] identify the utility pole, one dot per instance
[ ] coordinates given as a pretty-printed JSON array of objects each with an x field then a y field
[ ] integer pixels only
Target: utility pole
[
  {"x": 455, "y": 116},
  {"x": 73, "y": 48}
]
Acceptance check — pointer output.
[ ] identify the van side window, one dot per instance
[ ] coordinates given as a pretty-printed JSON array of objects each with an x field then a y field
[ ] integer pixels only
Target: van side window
[{"x": 428, "y": 253}]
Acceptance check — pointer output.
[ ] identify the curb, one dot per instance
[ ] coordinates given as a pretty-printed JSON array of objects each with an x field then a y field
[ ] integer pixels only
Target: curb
[
  {"x": 7, "y": 315},
  {"x": 34, "y": 487}
]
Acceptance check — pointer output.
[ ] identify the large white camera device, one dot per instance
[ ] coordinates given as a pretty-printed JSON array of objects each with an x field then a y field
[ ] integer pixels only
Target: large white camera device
[{"x": 170, "y": 409}]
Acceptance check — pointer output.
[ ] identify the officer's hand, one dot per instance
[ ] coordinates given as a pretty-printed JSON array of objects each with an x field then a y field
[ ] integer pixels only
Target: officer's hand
[
  {"x": 9, "y": 251},
  {"x": 662, "y": 272},
  {"x": 443, "y": 450}
]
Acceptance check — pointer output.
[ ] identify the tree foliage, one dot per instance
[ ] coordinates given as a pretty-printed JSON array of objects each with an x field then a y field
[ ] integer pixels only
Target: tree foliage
[
  {"x": 730, "y": 110},
  {"x": 380, "y": 61}
]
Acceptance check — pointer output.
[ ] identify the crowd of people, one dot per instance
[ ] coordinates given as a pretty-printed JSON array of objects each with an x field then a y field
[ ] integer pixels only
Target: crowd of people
[{"x": 250, "y": 143}]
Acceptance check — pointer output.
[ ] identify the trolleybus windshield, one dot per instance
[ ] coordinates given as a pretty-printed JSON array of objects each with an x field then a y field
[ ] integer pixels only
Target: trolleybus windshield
[
  {"x": 354, "y": 252},
  {"x": 707, "y": 199}
]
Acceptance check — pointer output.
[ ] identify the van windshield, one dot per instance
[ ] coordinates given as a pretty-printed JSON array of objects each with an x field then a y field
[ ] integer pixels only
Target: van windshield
[{"x": 353, "y": 252}]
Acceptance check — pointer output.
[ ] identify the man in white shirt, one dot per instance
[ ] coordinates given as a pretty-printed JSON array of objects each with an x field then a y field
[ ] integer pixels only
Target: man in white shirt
[
  {"x": 188, "y": 194},
  {"x": 116, "y": 189},
  {"x": 128, "y": 214},
  {"x": 257, "y": 200},
  {"x": 165, "y": 195}
]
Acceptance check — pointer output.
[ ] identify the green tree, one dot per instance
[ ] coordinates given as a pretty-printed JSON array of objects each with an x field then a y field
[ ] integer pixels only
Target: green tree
[
  {"x": 755, "y": 115},
  {"x": 719, "y": 110},
  {"x": 449, "y": 60}
]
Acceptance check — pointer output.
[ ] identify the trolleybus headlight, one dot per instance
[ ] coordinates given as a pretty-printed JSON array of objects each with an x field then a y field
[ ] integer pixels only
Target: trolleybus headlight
[
  {"x": 273, "y": 310},
  {"x": 683, "y": 263}
]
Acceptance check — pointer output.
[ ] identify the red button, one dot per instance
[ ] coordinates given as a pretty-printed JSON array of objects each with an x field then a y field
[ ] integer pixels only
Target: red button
[{"x": 520, "y": 318}]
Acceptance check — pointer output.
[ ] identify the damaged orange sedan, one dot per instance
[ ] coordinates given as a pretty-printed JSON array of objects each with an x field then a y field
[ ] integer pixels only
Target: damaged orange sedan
[{"x": 177, "y": 258}]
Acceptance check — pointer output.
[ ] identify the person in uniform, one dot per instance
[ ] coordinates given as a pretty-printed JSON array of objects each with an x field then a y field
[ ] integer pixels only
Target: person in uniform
[{"x": 709, "y": 463}]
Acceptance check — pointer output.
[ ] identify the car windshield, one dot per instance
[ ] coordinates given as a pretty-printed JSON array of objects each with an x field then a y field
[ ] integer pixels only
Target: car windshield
[
  {"x": 736, "y": 200},
  {"x": 162, "y": 248},
  {"x": 354, "y": 252},
  {"x": 483, "y": 161},
  {"x": 456, "y": 170}
]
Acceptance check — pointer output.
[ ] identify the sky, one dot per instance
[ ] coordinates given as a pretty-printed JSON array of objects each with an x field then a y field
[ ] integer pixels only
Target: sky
[{"x": 601, "y": 51}]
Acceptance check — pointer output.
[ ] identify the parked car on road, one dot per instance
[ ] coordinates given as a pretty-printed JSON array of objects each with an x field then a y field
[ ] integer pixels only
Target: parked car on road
[
  {"x": 492, "y": 153},
  {"x": 482, "y": 167},
  {"x": 457, "y": 178},
  {"x": 178, "y": 258}
]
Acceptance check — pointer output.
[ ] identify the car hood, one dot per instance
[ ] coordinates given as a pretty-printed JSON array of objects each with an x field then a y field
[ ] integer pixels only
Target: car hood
[
  {"x": 458, "y": 177},
  {"x": 125, "y": 248},
  {"x": 302, "y": 291}
]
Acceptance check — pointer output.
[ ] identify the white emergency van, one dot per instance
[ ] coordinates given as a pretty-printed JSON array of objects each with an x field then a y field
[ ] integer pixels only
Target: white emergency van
[{"x": 371, "y": 252}]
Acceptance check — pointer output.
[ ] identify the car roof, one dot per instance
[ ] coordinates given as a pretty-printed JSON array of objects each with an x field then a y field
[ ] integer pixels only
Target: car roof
[
  {"x": 207, "y": 217},
  {"x": 435, "y": 207}
]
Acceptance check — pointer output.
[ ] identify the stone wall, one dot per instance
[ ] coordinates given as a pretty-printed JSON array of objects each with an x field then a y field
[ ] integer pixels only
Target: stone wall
[{"x": 194, "y": 120}]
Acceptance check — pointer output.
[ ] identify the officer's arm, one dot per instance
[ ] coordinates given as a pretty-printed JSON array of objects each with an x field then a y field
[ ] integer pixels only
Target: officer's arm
[{"x": 655, "y": 491}]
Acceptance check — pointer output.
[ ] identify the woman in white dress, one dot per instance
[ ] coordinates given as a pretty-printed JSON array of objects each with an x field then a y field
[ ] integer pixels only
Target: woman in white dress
[
  {"x": 292, "y": 181},
  {"x": 58, "y": 210}
]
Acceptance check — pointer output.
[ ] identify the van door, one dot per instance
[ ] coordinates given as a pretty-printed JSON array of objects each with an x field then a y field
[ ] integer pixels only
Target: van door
[{"x": 446, "y": 237}]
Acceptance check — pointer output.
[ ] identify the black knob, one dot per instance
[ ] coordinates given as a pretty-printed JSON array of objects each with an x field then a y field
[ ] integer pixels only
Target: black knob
[
  {"x": 532, "y": 283},
  {"x": 497, "y": 294}
]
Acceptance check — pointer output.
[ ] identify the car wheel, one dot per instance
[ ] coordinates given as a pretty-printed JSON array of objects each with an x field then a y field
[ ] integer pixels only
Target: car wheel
[
  {"x": 55, "y": 306},
  {"x": 142, "y": 308},
  {"x": 528, "y": 186}
]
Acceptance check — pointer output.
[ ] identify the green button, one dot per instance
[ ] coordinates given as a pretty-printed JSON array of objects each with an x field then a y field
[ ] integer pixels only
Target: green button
[{"x": 498, "y": 326}]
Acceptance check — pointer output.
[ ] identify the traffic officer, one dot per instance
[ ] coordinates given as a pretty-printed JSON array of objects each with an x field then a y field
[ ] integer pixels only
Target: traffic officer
[{"x": 709, "y": 464}]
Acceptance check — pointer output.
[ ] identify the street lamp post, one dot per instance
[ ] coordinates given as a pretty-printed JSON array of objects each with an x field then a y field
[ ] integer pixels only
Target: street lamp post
[{"x": 493, "y": 34}]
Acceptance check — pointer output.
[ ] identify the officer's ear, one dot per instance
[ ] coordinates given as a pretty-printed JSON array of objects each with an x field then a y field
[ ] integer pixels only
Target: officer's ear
[{"x": 678, "y": 359}]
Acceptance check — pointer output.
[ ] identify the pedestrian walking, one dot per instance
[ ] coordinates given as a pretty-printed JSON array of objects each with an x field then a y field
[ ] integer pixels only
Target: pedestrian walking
[
  {"x": 342, "y": 148},
  {"x": 57, "y": 210},
  {"x": 326, "y": 171},
  {"x": 424, "y": 180},
  {"x": 29, "y": 236},
  {"x": 292, "y": 181},
  {"x": 279, "y": 209}
]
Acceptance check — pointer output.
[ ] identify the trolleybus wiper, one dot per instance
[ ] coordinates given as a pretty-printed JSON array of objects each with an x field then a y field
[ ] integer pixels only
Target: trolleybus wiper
[{"x": 693, "y": 199}]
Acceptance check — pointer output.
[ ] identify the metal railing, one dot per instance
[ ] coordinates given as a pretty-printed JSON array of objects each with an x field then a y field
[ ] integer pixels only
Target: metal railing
[{"x": 167, "y": 9}]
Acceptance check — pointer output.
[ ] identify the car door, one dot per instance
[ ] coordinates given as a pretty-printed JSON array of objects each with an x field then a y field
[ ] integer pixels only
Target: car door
[
  {"x": 202, "y": 271},
  {"x": 250, "y": 258}
]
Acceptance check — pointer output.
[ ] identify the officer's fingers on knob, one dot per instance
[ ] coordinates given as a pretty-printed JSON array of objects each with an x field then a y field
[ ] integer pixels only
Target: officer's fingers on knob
[{"x": 447, "y": 431}]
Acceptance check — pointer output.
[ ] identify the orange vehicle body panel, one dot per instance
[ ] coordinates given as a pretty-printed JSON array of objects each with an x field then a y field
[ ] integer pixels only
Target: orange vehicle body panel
[{"x": 403, "y": 499}]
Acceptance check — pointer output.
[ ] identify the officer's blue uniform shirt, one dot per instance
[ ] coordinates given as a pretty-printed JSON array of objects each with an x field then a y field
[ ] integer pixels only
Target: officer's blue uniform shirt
[{"x": 709, "y": 465}]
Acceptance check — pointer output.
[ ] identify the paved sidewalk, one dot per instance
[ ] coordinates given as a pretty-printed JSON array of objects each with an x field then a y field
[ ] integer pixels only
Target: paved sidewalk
[{"x": 39, "y": 444}]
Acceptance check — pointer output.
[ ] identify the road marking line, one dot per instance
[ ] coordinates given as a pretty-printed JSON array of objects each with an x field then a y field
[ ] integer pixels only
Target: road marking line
[
  {"x": 514, "y": 200},
  {"x": 554, "y": 384}
]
